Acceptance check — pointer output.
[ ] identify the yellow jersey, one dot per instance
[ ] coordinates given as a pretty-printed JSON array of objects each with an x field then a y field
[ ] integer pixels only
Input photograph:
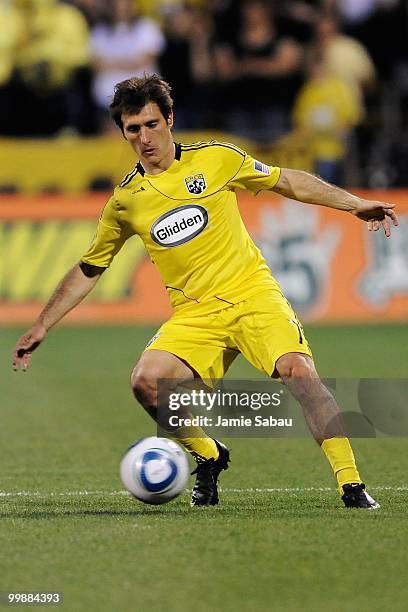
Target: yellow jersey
[
  {"x": 325, "y": 111},
  {"x": 188, "y": 219}
]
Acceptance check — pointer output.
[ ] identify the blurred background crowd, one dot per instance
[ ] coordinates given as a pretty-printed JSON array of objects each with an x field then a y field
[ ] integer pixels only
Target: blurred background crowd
[{"x": 331, "y": 72}]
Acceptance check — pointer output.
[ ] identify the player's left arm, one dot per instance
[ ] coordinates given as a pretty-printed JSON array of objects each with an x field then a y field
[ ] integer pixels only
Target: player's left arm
[{"x": 305, "y": 187}]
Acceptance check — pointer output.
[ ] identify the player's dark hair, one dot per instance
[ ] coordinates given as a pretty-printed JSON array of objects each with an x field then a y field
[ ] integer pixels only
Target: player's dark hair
[{"x": 133, "y": 94}]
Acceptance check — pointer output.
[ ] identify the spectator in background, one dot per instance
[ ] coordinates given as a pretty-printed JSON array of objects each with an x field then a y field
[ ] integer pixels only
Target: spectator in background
[
  {"x": 354, "y": 11},
  {"x": 122, "y": 46},
  {"x": 260, "y": 71},
  {"x": 157, "y": 9},
  {"x": 186, "y": 63},
  {"x": 297, "y": 18},
  {"x": 325, "y": 113},
  {"x": 358, "y": 19},
  {"x": 54, "y": 48},
  {"x": 344, "y": 56},
  {"x": 371, "y": 21},
  {"x": 11, "y": 39},
  {"x": 226, "y": 20},
  {"x": 92, "y": 10}
]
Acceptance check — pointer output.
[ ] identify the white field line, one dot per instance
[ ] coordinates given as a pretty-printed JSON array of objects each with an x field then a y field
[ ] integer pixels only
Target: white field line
[{"x": 124, "y": 493}]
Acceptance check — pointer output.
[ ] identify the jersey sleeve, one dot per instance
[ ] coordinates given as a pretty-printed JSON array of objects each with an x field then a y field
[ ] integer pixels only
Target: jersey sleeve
[
  {"x": 255, "y": 176},
  {"x": 109, "y": 237}
]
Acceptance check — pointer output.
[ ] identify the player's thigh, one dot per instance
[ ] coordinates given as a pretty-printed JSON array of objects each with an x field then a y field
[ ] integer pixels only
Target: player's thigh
[
  {"x": 270, "y": 329},
  {"x": 200, "y": 342}
]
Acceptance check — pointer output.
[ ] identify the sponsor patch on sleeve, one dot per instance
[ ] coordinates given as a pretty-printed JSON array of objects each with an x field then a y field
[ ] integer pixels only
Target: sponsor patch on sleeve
[{"x": 260, "y": 167}]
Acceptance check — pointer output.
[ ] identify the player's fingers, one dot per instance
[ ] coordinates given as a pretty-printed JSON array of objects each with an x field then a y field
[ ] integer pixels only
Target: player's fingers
[
  {"x": 18, "y": 355},
  {"x": 376, "y": 225},
  {"x": 23, "y": 345},
  {"x": 370, "y": 226},
  {"x": 16, "y": 361},
  {"x": 26, "y": 361},
  {"x": 387, "y": 227},
  {"x": 392, "y": 215}
]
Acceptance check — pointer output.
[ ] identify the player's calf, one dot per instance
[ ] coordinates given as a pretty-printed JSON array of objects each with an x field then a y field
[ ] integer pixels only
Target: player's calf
[
  {"x": 325, "y": 422},
  {"x": 155, "y": 377},
  {"x": 319, "y": 407}
]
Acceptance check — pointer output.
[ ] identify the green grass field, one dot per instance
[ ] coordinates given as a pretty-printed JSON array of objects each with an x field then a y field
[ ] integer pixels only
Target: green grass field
[{"x": 280, "y": 540}]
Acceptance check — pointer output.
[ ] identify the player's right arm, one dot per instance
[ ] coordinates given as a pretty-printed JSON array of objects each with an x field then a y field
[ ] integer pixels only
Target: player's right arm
[
  {"x": 73, "y": 288},
  {"x": 77, "y": 283}
]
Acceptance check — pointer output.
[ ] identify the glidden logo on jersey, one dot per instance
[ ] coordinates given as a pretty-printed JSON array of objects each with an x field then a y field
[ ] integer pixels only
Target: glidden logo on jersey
[{"x": 179, "y": 225}]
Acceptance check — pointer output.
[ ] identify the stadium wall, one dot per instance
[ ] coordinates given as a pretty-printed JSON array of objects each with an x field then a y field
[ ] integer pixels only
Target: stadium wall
[{"x": 329, "y": 266}]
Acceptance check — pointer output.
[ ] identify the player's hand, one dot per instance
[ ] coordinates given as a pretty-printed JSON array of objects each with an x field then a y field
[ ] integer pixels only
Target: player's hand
[
  {"x": 377, "y": 215},
  {"x": 26, "y": 345}
]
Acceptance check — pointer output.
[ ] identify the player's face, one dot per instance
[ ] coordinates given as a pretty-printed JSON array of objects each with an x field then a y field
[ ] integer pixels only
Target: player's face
[{"x": 148, "y": 132}]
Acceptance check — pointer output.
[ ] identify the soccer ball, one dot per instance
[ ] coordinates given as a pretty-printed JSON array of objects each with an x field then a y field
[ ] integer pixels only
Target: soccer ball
[{"x": 154, "y": 470}]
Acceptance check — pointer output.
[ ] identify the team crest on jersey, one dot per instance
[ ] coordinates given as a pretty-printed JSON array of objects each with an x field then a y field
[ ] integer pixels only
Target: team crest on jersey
[{"x": 196, "y": 183}]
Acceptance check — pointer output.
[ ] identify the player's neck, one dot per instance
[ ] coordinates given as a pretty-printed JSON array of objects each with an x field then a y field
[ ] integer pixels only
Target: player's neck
[{"x": 162, "y": 164}]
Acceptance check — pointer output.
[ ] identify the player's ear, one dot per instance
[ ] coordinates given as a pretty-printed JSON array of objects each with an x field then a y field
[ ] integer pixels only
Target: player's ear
[{"x": 170, "y": 120}]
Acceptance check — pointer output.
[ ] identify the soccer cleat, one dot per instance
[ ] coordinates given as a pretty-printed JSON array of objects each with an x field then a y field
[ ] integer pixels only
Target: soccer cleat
[
  {"x": 205, "y": 492},
  {"x": 355, "y": 496}
]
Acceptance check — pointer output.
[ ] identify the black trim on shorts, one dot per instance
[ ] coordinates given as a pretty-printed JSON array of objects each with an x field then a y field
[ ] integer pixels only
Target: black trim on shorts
[{"x": 89, "y": 270}]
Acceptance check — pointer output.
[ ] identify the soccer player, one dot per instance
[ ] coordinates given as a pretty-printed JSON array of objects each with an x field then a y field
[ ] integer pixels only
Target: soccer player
[{"x": 180, "y": 199}]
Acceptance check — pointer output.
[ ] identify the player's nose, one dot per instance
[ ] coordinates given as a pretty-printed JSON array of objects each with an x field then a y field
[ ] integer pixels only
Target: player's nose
[{"x": 144, "y": 135}]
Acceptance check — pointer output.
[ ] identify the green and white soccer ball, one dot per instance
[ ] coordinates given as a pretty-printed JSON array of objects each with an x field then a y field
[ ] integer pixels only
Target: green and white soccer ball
[{"x": 154, "y": 470}]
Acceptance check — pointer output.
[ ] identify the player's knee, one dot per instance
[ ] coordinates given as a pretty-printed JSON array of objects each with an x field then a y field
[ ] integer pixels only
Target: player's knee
[
  {"x": 295, "y": 366},
  {"x": 299, "y": 375},
  {"x": 144, "y": 385}
]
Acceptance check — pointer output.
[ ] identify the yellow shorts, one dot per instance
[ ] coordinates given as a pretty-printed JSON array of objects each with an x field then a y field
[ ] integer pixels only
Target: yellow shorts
[{"x": 263, "y": 328}]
